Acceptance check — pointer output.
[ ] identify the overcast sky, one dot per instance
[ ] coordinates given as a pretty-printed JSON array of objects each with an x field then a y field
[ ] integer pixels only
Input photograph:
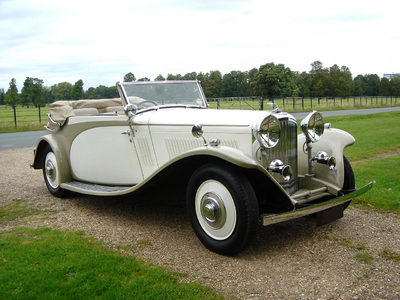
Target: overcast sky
[{"x": 100, "y": 41}]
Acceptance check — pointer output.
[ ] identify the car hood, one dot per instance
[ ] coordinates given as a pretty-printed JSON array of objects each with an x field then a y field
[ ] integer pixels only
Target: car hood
[{"x": 205, "y": 117}]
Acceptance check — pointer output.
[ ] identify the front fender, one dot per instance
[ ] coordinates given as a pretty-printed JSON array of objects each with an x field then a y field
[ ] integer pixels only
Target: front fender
[
  {"x": 333, "y": 143},
  {"x": 262, "y": 181}
]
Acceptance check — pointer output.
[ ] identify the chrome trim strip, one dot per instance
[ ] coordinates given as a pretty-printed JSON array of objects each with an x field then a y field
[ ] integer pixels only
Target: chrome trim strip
[{"x": 273, "y": 219}]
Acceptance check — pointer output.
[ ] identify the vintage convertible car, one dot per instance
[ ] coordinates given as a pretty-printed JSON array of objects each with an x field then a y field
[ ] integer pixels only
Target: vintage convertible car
[{"x": 240, "y": 168}]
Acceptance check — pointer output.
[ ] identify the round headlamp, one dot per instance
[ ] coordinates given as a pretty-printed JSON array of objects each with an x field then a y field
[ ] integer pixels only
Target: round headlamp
[
  {"x": 267, "y": 132},
  {"x": 313, "y": 126}
]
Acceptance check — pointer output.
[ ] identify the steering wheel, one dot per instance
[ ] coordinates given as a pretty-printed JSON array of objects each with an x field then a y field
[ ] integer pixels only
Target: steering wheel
[{"x": 147, "y": 101}]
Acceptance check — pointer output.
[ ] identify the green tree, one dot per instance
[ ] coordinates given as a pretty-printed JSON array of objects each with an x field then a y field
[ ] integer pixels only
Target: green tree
[
  {"x": 190, "y": 76},
  {"x": 274, "y": 81},
  {"x": 318, "y": 85},
  {"x": 373, "y": 83},
  {"x": 47, "y": 95},
  {"x": 92, "y": 93},
  {"x": 251, "y": 77},
  {"x": 385, "y": 87},
  {"x": 360, "y": 84},
  {"x": 77, "y": 90},
  {"x": 26, "y": 94},
  {"x": 32, "y": 92},
  {"x": 129, "y": 77},
  {"x": 144, "y": 79},
  {"x": 395, "y": 85},
  {"x": 11, "y": 97},
  {"x": 174, "y": 77},
  {"x": 159, "y": 78},
  {"x": 234, "y": 84},
  {"x": 2, "y": 96},
  {"x": 103, "y": 92},
  {"x": 340, "y": 81},
  {"x": 212, "y": 84},
  {"x": 301, "y": 83},
  {"x": 62, "y": 91},
  {"x": 113, "y": 92}
]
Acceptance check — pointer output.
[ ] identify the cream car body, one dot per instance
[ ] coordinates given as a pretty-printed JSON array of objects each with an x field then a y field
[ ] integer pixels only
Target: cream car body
[{"x": 240, "y": 167}]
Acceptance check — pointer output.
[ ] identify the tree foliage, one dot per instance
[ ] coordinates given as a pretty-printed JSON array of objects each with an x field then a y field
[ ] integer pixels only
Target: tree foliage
[
  {"x": 234, "y": 83},
  {"x": 77, "y": 90},
  {"x": 274, "y": 81},
  {"x": 11, "y": 97},
  {"x": 32, "y": 92},
  {"x": 333, "y": 81},
  {"x": 395, "y": 85},
  {"x": 129, "y": 77},
  {"x": 2, "y": 96},
  {"x": 62, "y": 91}
]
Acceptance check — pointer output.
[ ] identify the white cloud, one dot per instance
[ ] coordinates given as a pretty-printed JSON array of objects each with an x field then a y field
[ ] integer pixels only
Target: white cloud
[{"x": 99, "y": 43}]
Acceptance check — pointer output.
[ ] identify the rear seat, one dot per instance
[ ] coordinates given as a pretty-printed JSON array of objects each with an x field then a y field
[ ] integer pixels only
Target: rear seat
[
  {"x": 85, "y": 111},
  {"x": 115, "y": 109}
]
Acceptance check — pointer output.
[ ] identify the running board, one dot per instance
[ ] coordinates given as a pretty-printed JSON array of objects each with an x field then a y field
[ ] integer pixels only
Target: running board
[{"x": 95, "y": 189}]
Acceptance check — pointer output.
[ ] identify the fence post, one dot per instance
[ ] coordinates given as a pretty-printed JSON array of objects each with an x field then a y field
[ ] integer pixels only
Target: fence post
[
  {"x": 302, "y": 103},
  {"x": 15, "y": 116},
  {"x": 261, "y": 103},
  {"x": 40, "y": 117}
]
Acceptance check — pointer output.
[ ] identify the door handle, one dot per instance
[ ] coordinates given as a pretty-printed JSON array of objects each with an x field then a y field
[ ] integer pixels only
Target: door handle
[{"x": 126, "y": 132}]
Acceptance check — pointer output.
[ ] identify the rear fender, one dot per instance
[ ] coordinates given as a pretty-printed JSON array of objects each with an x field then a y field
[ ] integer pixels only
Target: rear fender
[{"x": 61, "y": 155}]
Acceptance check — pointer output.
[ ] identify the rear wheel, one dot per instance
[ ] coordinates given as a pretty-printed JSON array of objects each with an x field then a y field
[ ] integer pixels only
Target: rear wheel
[
  {"x": 222, "y": 208},
  {"x": 349, "y": 180},
  {"x": 51, "y": 173}
]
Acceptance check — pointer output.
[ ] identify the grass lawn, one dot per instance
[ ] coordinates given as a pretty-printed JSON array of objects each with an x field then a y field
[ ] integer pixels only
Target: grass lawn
[
  {"x": 49, "y": 264},
  {"x": 375, "y": 156}
]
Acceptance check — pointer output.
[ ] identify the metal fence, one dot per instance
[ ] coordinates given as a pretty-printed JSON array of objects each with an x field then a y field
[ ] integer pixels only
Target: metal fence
[
  {"x": 302, "y": 103},
  {"x": 18, "y": 115}
]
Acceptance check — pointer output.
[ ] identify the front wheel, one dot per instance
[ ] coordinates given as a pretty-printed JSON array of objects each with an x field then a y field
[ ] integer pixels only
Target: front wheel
[
  {"x": 349, "y": 180},
  {"x": 222, "y": 208},
  {"x": 51, "y": 173}
]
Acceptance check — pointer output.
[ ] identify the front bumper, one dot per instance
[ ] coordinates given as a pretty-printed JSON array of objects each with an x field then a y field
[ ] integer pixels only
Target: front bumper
[{"x": 333, "y": 207}]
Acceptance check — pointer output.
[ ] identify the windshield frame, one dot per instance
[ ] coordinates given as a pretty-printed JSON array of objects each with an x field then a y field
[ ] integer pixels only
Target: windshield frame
[{"x": 123, "y": 86}]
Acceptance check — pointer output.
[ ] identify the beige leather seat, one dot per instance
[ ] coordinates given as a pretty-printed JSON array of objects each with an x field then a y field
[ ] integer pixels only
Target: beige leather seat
[
  {"x": 115, "y": 109},
  {"x": 85, "y": 111}
]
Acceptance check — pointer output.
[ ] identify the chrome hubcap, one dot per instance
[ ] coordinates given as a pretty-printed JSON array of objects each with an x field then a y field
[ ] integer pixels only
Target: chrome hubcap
[
  {"x": 50, "y": 171},
  {"x": 213, "y": 210}
]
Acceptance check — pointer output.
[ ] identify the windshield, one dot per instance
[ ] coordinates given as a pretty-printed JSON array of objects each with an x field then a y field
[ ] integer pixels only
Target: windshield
[{"x": 147, "y": 94}]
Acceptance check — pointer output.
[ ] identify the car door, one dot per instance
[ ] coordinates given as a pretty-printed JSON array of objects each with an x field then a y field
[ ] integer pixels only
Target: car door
[{"x": 105, "y": 155}]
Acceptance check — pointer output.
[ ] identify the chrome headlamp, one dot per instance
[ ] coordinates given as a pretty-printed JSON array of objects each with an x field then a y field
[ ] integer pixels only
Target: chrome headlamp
[
  {"x": 267, "y": 131},
  {"x": 313, "y": 126}
]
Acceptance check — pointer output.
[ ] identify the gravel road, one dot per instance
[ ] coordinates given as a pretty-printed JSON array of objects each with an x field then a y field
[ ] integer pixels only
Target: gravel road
[{"x": 292, "y": 260}]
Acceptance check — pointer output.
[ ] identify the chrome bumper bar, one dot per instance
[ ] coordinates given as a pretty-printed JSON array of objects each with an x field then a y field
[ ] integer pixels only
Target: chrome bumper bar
[{"x": 298, "y": 213}]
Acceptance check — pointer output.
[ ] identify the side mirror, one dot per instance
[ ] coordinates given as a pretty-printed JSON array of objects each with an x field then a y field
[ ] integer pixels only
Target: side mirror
[{"x": 130, "y": 110}]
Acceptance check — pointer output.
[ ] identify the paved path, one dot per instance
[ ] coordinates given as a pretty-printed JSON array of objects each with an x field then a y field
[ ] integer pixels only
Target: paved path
[{"x": 30, "y": 138}]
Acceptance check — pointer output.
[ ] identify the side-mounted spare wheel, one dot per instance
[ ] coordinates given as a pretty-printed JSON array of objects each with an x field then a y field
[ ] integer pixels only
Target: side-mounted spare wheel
[
  {"x": 222, "y": 208},
  {"x": 51, "y": 173}
]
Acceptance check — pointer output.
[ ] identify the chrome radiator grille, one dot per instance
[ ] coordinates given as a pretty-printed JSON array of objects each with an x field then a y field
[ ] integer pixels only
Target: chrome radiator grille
[{"x": 286, "y": 151}]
